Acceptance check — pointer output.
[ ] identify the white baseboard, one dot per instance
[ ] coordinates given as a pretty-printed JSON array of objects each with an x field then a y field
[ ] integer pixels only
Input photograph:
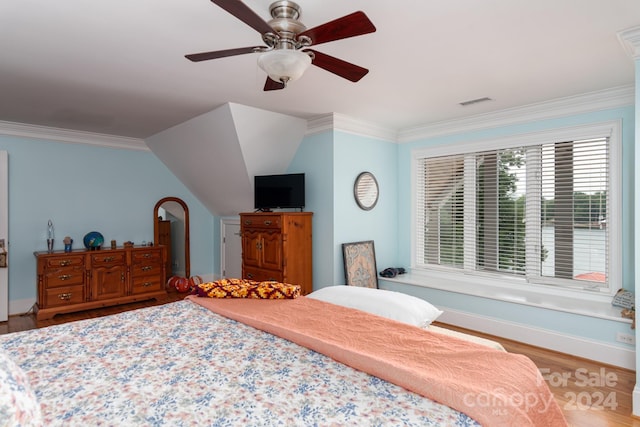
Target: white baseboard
[
  {"x": 21, "y": 306},
  {"x": 576, "y": 346},
  {"x": 635, "y": 399}
]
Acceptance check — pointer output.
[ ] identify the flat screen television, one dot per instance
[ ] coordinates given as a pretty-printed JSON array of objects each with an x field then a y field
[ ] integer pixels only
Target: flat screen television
[{"x": 279, "y": 191}]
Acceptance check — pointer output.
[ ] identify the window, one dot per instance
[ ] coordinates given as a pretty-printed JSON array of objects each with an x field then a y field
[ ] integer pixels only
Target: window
[{"x": 540, "y": 208}]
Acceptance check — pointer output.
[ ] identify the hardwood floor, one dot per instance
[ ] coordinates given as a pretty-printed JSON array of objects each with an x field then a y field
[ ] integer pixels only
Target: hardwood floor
[{"x": 591, "y": 394}]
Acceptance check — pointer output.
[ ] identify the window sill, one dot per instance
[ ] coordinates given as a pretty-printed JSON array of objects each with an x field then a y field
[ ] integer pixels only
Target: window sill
[{"x": 585, "y": 304}]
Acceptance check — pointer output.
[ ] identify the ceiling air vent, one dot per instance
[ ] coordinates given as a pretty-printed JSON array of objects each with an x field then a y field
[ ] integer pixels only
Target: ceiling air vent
[{"x": 475, "y": 101}]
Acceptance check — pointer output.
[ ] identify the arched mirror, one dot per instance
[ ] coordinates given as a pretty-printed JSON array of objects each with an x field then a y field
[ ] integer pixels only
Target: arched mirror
[{"x": 171, "y": 228}]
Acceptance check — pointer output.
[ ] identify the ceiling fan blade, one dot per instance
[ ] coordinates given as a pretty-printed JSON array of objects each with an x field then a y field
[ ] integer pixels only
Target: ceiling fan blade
[
  {"x": 203, "y": 56},
  {"x": 355, "y": 24},
  {"x": 245, "y": 14},
  {"x": 337, "y": 66},
  {"x": 271, "y": 84}
]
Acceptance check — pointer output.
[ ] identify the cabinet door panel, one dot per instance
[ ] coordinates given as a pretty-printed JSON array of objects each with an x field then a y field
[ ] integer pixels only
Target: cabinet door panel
[
  {"x": 272, "y": 251},
  {"x": 108, "y": 282},
  {"x": 251, "y": 248}
]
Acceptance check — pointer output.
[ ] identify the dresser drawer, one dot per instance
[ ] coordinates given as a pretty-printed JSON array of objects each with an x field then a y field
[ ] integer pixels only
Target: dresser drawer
[
  {"x": 146, "y": 268},
  {"x": 107, "y": 259},
  {"x": 261, "y": 221},
  {"x": 145, "y": 284},
  {"x": 147, "y": 255},
  {"x": 64, "y": 261},
  {"x": 64, "y": 276},
  {"x": 65, "y": 295},
  {"x": 260, "y": 275}
]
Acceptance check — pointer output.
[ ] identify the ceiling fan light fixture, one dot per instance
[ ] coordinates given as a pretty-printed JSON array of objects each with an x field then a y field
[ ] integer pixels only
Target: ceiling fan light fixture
[{"x": 284, "y": 65}]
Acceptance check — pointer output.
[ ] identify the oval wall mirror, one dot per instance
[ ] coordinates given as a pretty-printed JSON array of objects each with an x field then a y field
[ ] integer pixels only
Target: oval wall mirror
[
  {"x": 365, "y": 191},
  {"x": 171, "y": 228}
]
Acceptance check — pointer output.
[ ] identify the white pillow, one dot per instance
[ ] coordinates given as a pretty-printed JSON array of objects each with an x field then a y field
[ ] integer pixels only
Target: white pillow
[{"x": 393, "y": 305}]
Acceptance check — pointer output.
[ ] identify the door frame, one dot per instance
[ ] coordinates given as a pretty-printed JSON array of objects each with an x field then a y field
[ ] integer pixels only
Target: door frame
[
  {"x": 224, "y": 222},
  {"x": 4, "y": 233}
]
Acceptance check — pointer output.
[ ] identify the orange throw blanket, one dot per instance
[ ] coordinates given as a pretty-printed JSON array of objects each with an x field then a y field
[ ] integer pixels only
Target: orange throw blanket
[{"x": 493, "y": 387}]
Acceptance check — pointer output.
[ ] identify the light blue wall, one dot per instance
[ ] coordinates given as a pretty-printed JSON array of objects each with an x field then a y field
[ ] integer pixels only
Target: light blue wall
[
  {"x": 332, "y": 161},
  {"x": 83, "y": 188},
  {"x": 353, "y": 155},
  {"x": 315, "y": 158}
]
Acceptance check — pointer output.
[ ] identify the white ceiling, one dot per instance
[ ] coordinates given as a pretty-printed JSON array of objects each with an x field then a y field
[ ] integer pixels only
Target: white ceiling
[{"x": 117, "y": 67}]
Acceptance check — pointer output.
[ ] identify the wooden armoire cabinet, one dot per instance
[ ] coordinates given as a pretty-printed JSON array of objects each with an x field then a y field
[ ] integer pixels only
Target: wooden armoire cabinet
[
  {"x": 82, "y": 279},
  {"x": 278, "y": 246}
]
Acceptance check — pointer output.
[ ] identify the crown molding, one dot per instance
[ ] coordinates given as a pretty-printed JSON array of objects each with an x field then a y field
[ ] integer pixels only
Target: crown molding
[
  {"x": 593, "y": 101},
  {"x": 630, "y": 40},
  {"x": 343, "y": 123},
  {"x": 579, "y": 104},
  {"x": 71, "y": 136},
  {"x": 617, "y": 97}
]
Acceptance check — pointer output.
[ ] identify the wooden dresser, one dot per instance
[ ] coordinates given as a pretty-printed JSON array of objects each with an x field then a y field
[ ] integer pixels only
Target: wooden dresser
[
  {"x": 277, "y": 246},
  {"x": 82, "y": 279}
]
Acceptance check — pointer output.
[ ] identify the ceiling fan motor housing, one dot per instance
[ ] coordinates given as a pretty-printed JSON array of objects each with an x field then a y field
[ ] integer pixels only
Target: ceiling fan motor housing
[
  {"x": 286, "y": 25},
  {"x": 285, "y": 9}
]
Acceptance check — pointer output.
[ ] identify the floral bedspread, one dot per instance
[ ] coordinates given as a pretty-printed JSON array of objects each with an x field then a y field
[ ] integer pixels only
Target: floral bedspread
[{"x": 182, "y": 365}]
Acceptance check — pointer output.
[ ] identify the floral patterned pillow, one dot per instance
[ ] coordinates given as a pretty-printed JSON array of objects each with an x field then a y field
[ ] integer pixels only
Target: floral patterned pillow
[
  {"x": 241, "y": 288},
  {"x": 18, "y": 404}
]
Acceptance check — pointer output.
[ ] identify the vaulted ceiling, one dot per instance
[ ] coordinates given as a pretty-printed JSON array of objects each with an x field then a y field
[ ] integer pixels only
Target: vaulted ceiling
[
  {"x": 217, "y": 154},
  {"x": 118, "y": 67}
]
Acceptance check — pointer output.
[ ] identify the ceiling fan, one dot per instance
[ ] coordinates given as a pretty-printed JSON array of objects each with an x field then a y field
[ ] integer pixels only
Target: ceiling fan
[{"x": 286, "y": 55}]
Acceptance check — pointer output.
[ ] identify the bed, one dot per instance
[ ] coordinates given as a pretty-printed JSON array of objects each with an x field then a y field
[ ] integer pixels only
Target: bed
[{"x": 200, "y": 362}]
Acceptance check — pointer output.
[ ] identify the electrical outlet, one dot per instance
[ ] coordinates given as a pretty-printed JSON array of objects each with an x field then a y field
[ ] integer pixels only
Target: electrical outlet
[{"x": 625, "y": 338}]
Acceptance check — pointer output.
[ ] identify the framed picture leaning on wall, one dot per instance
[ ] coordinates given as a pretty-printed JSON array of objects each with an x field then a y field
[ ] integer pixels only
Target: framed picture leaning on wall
[{"x": 360, "y": 264}]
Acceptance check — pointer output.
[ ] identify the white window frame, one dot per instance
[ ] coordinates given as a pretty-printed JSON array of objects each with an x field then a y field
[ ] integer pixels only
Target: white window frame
[{"x": 461, "y": 281}]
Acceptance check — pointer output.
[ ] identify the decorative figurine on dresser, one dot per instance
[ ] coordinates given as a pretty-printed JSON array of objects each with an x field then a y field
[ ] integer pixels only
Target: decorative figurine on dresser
[{"x": 92, "y": 278}]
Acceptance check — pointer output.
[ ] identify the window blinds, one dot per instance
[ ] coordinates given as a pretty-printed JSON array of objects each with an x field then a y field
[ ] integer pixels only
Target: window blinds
[{"x": 538, "y": 211}]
